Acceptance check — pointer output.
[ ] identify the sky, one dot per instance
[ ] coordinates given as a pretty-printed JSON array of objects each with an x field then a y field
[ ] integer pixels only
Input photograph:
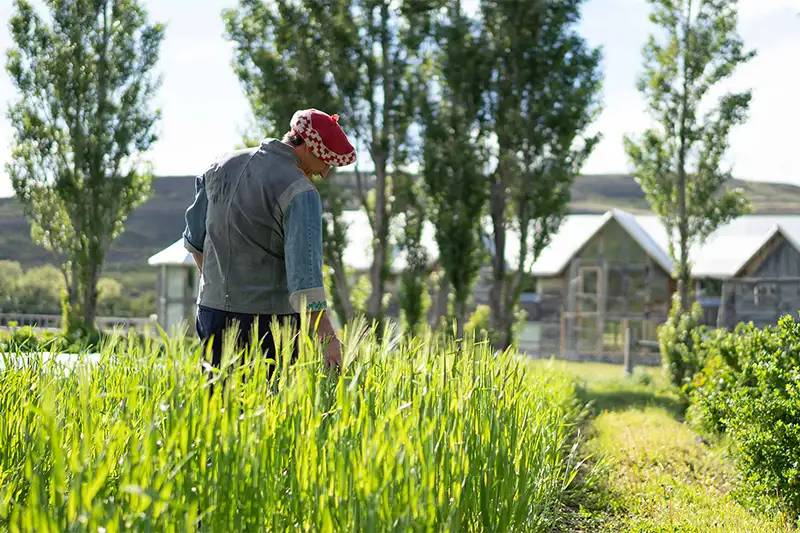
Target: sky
[{"x": 205, "y": 111}]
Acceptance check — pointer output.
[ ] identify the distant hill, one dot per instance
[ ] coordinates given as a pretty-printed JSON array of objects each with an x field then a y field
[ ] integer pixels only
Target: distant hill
[
  {"x": 151, "y": 227},
  {"x": 597, "y": 193},
  {"x": 159, "y": 222}
]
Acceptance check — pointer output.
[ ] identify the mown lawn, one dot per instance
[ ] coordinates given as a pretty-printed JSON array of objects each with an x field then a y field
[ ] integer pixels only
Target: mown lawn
[{"x": 654, "y": 474}]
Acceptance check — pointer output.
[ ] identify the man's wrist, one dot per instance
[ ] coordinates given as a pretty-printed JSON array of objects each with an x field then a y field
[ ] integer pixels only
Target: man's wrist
[{"x": 322, "y": 323}]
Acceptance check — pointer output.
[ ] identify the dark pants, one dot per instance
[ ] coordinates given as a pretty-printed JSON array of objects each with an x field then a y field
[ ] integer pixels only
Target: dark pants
[{"x": 212, "y": 323}]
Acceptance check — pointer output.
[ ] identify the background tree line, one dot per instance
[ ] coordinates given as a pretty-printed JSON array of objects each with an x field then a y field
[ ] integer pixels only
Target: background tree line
[
  {"x": 39, "y": 290},
  {"x": 476, "y": 121}
]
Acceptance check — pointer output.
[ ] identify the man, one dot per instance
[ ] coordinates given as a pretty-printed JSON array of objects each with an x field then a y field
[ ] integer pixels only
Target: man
[{"x": 255, "y": 231}]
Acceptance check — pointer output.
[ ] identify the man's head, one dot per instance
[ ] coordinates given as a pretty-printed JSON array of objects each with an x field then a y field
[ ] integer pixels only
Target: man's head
[{"x": 319, "y": 141}]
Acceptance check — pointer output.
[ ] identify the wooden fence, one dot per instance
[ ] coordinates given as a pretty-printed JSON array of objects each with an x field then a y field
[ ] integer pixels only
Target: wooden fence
[
  {"x": 53, "y": 322},
  {"x": 634, "y": 347}
]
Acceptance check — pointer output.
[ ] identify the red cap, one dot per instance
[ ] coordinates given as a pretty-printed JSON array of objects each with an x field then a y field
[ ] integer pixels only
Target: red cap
[{"x": 324, "y": 137}]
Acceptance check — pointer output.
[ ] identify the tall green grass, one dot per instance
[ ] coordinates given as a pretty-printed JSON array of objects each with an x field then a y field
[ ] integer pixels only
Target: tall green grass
[{"x": 414, "y": 434}]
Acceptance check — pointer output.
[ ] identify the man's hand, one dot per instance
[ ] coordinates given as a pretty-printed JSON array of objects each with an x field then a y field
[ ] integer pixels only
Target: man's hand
[
  {"x": 326, "y": 333},
  {"x": 333, "y": 354}
]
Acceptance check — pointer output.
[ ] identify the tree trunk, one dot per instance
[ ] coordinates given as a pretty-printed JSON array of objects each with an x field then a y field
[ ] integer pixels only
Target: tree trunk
[
  {"x": 514, "y": 289},
  {"x": 683, "y": 267},
  {"x": 381, "y": 150},
  {"x": 461, "y": 318},
  {"x": 497, "y": 296},
  {"x": 342, "y": 289},
  {"x": 439, "y": 307},
  {"x": 378, "y": 245},
  {"x": 89, "y": 297}
]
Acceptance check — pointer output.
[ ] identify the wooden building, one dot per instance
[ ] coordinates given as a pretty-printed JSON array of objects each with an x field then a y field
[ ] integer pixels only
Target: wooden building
[
  {"x": 177, "y": 282},
  {"x": 753, "y": 278},
  {"x": 604, "y": 273},
  {"x": 600, "y": 276}
]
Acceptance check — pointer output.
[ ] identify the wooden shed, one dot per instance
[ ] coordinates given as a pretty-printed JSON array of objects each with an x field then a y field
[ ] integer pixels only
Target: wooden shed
[
  {"x": 177, "y": 283},
  {"x": 761, "y": 285},
  {"x": 607, "y": 275},
  {"x": 604, "y": 273}
]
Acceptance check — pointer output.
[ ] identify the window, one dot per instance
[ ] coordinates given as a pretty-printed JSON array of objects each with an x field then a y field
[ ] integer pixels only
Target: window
[{"x": 765, "y": 294}]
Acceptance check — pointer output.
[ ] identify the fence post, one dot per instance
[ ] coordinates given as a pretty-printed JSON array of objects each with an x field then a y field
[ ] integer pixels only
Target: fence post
[{"x": 628, "y": 350}]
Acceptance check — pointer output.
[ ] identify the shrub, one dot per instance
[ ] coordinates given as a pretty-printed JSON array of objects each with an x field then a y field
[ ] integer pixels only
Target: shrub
[
  {"x": 478, "y": 322},
  {"x": 681, "y": 340},
  {"x": 750, "y": 390}
]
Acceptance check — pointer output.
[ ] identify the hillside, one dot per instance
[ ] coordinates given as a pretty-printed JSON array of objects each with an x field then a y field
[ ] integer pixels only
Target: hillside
[
  {"x": 599, "y": 192},
  {"x": 159, "y": 222},
  {"x": 154, "y": 225}
]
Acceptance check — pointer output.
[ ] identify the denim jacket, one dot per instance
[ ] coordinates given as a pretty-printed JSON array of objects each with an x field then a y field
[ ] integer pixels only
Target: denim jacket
[{"x": 257, "y": 220}]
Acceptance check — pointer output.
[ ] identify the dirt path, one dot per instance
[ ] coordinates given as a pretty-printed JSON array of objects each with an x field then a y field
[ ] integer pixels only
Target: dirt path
[{"x": 651, "y": 472}]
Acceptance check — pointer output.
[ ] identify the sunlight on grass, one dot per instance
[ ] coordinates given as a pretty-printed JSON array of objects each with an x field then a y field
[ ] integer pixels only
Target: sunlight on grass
[
  {"x": 606, "y": 388},
  {"x": 659, "y": 476},
  {"x": 667, "y": 479},
  {"x": 416, "y": 434}
]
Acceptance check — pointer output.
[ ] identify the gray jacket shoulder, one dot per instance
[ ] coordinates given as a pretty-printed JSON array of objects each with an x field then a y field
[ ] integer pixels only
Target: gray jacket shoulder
[{"x": 278, "y": 162}]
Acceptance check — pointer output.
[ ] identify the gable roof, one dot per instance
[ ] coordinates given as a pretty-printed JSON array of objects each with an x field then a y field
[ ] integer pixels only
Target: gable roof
[
  {"x": 726, "y": 255},
  {"x": 174, "y": 254},
  {"x": 578, "y": 230},
  {"x": 723, "y": 255}
]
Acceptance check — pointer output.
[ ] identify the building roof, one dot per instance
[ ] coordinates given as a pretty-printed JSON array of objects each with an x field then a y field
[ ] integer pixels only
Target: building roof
[
  {"x": 728, "y": 254},
  {"x": 577, "y": 230},
  {"x": 174, "y": 254},
  {"x": 723, "y": 255}
]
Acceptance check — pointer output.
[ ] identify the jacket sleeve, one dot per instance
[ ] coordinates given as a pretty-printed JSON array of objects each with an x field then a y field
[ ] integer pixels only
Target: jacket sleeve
[
  {"x": 194, "y": 234},
  {"x": 302, "y": 226}
]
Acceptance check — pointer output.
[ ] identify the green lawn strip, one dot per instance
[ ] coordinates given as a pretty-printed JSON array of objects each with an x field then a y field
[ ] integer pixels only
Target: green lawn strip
[{"x": 655, "y": 474}]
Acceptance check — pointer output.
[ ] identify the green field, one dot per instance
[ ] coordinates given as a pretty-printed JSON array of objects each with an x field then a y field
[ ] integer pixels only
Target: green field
[{"x": 416, "y": 434}]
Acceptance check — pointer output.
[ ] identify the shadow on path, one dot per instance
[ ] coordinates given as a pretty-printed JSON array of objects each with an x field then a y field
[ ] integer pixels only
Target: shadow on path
[{"x": 623, "y": 399}]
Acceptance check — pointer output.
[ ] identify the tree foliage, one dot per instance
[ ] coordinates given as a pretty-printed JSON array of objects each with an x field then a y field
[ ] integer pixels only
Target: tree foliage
[
  {"x": 454, "y": 154},
  {"x": 679, "y": 163},
  {"x": 412, "y": 294},
  {"x": 351, "y": 56},
  {"x": 39, "y": 289},
  {"x": 543, "y": 96},
  {"x": 84, "y": 78}
]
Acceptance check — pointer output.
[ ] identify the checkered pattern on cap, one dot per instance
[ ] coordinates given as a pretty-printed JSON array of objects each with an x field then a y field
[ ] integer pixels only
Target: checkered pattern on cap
[{"x": 324, "y": 137}]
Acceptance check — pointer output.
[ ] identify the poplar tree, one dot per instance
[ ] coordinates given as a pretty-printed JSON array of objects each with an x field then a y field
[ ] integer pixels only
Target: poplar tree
[
  {"x": 678, "y": 163},
  {"x": 454, "y": 157},
  {"x": 543, "y": 96},
  {"x": 353, "y": 56},
  {"x": 83, "y": 71}
]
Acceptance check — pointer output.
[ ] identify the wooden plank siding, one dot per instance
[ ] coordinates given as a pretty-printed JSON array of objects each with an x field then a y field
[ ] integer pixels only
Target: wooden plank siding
[
  {"x": 611, "y": 282},
  {"x": 766, "y": 288}
]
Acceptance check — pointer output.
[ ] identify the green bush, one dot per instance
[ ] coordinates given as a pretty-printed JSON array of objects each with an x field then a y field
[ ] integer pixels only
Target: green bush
[
  {"x": 681, "y": 340},
  {"x": 478, "y": 324},
  {"x": 750, "y": 391},
  {"x": 709, "y": 392},
  {"x": 25, "y": 339}
]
